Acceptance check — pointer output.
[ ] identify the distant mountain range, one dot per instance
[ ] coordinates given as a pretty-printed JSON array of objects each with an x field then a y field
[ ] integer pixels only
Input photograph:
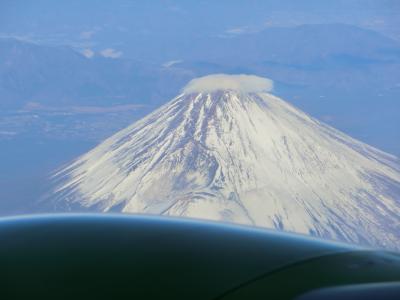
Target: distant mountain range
[
  {"x": 60, "y": 76},
  {"x": 226, "y": 149},
  {"x": 328, "y": 70}
]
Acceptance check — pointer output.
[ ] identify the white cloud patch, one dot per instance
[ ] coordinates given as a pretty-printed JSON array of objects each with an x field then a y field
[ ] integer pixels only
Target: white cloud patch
[
  {"x": 170, "y": 63},
  {"x": 86, "y": 35},
  {"x": 87, "y": 53},
  {"x": 110, "y": 53},
  {"x": 241, "y": 83},
  {"x": 237, "y": 30}
]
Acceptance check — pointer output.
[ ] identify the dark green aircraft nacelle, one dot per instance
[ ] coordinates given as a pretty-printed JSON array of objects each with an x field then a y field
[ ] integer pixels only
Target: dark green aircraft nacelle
[{"x": 136, "y": 257}]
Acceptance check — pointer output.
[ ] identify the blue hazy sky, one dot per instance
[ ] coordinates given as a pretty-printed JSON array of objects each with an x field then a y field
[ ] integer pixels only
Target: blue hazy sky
[{"x": 76, "y": 19}]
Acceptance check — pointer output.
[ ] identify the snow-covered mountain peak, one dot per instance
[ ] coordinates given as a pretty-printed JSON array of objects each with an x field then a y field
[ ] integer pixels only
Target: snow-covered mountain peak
[{"x": 236, "y": 153}]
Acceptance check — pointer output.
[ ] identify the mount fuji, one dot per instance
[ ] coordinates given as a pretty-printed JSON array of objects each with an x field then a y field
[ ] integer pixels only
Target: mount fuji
[{"x": 226, "y": 149}]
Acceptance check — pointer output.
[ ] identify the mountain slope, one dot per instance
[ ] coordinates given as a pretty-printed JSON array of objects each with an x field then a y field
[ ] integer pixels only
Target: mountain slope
[{"x": 225, "y": 149}]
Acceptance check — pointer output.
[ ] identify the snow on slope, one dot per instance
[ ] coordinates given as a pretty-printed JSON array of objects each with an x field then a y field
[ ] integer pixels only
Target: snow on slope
[{"x": 240, "y": 154}]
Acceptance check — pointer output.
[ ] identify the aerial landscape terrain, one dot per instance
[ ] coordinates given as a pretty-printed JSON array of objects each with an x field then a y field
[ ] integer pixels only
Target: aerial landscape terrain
[{"x": 277, "y": 114}]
